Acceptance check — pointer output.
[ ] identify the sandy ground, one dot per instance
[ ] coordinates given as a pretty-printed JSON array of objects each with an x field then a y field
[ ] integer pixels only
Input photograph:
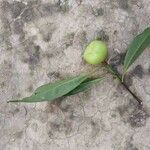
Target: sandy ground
[{"x": 43, "y": 41}]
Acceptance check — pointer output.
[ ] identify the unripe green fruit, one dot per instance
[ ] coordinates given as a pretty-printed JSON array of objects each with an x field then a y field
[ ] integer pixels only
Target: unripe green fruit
[{"x": 96, "y": 52}]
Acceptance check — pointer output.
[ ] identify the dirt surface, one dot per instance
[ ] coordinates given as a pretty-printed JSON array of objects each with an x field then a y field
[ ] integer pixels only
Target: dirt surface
[{"x": 43, "y": 41}]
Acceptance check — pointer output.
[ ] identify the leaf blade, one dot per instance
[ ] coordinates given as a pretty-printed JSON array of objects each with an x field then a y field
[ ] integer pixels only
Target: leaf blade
[
  {"x": 52, "y": 91},
  {"x": 137, "y": 46},
  {"x": 84, "y": 86}
]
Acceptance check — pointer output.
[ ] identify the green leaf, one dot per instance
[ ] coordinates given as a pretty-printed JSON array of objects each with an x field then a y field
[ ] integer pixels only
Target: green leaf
[
  {"x": 55, "y": 90},
  {"x": 137, "y": 46},
  {"x": 84, "y": 86}
]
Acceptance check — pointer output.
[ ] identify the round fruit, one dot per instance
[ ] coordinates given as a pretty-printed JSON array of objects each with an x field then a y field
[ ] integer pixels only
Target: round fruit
[{"x": 96, "y": 52}]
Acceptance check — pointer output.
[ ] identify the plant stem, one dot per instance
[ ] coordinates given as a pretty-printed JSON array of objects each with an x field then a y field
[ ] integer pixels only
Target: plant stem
[
  {"x": 114, "y": 72},
  {"x": 138, "y": 99}
]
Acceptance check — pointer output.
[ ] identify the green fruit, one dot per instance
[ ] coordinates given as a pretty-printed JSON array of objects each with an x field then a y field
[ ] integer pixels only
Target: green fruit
[{"x": 96, "y": 52}]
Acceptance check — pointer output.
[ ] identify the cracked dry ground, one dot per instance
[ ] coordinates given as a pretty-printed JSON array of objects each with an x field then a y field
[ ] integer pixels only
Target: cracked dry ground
[{"x": 43, "y": 41}]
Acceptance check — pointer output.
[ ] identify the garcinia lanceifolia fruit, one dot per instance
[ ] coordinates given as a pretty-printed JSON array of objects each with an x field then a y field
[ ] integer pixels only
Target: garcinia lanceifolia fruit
[{"x": 96, "y": 52}]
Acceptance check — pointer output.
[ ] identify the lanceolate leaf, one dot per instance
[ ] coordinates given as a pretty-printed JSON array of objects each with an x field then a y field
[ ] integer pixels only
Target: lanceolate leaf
[
  {"x": 52, "y": 91},
  {"x": 84, "y": 86},
  {"x": 137, "y": 46}
]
